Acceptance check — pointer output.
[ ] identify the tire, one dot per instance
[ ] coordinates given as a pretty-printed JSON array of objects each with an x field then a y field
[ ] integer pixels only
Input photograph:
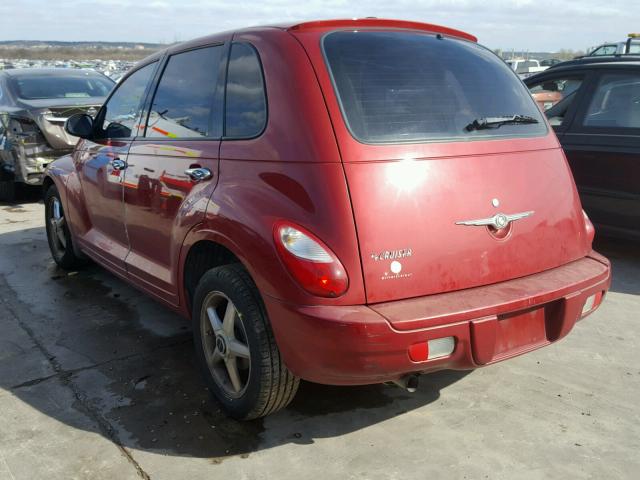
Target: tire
[
  {"x": 58, "y": 234},
  {"x": 7, "y": 191},
  {"x": 267, "y": 384}
]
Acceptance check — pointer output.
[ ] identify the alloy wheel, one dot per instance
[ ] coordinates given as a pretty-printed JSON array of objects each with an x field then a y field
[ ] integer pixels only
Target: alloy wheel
[
  {"x": 57, "y": 227},
  {"x": 225, "y": 344}
]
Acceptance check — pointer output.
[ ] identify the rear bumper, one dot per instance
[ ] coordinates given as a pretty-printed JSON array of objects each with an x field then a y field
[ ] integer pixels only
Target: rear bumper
[{"x": 352, "y": 345}]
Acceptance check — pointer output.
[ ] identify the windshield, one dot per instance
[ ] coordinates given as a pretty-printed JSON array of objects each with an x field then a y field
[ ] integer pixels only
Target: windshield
[
  {"x": 605, "y": 50},
  {"x": 50, "y": 87},
  {"x": 413, "y": 87}
]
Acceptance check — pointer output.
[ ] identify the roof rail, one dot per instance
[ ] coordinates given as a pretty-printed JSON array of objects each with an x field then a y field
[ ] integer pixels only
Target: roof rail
[{"x": 372, "y": 22}]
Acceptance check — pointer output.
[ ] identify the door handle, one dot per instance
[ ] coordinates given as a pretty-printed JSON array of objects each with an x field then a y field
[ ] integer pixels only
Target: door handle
[
  {"x": 118, "y": 164},
  {"x": 198, "y": 174}
]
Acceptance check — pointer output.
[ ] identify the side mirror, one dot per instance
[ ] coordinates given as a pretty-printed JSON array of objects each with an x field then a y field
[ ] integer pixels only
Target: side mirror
[
  {"x": 117, "y": 130},
  {"x": 79, "y": 125}
]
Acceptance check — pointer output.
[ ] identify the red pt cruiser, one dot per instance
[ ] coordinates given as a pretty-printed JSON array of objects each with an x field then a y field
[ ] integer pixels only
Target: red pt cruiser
[{"x": 347, "y": 202}]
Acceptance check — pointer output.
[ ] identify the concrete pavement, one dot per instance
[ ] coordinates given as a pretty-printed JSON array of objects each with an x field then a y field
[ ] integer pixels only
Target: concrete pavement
[{"x": 98, "y": 381}]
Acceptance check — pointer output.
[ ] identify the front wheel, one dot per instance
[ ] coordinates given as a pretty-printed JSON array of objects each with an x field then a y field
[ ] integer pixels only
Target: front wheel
[
  {"x": 236, "y": 348},
  {"x": 58, "y": 234}
]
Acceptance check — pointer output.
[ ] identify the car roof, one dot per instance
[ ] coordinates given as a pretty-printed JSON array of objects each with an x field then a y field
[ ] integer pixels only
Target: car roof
[
  {"x": 373, "y": 22},
  {"x": 628, "y": 58},
  {"x": 566, "y": 67},
  {"x": 316, "y": 25},
  {"x": 49, "y": 72},
  {"x": 328, "y": 25}
]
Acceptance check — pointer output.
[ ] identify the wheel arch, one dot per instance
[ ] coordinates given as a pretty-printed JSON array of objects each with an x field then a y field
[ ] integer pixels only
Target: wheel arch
[
  {"x": 57, "y": 174},
  {"x": 47, "y": 181},
  {"x": 202, "y": 250}
]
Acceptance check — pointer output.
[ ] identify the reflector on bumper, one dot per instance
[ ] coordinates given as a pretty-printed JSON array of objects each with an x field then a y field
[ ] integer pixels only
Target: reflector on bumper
[
  {"x": 431, "y": 349},
  {"x": 441, "y": 347}
]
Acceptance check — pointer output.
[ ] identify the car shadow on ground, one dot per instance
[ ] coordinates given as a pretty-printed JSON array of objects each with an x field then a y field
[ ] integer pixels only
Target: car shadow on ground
[
  {"x": 25, "y": 194},
  {"x": 625, "y": 263},
  {"x": 127, "y": 365}
]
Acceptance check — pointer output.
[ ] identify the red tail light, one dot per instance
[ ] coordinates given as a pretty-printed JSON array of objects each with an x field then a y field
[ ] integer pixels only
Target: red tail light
[{"x": 314, "y": 266}]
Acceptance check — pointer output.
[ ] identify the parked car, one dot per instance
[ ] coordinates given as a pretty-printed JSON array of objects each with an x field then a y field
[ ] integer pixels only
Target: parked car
[
  {"x": 404, "y": 209},
  {"x": 630, "y": 46},
  {"x": 598, "y": 124},
  {"x": 524, "y": 67},
  {"x": 34, "y": 104},
  {"x": 550, "y": 62}
]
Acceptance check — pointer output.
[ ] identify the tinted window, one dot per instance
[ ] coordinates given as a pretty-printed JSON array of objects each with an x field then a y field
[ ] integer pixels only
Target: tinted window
[
  {"x": 185, "y": 103},
  {"x": 556, "y": 92},
  {"x": 246, "y": 103},
  {"x": 410, "y": 87},
  {"x": 121, "y": 111},
  {"x": 52, "y": 86},
  {"x": 616, "y": 102}
]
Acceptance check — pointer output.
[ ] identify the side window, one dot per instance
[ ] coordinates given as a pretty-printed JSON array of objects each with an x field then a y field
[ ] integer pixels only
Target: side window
[
  {"x": 555, "y": 96},
  {"x": 605, "y": 50},
  {"x": 246, "y": 102},
  {"x": 121, "y": 111},
  {"x": 616, "y": 102},
  {"x": 188, "y": 101}
]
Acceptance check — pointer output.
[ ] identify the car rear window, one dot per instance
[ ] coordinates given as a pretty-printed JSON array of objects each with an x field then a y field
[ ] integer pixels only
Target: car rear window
[
  {"x": 396, "y": 87},
  {"x": 46, "y": 87}
]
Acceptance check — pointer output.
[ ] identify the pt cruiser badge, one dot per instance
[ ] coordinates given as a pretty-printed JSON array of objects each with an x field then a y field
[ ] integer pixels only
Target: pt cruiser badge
[
  {"x": 498, "y": 221},
  {"x": 392, "y": 254}
]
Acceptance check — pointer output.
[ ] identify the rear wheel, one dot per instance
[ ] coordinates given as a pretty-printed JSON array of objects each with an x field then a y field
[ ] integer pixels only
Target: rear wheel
[
  {"x": 236, "y": 348},
  {"x": 7, "y": 190},
  {"x": 58, "y": 235}
]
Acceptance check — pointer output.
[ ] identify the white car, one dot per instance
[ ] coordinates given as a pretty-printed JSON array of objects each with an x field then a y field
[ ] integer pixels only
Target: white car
[{"x": 524, "y": 68}]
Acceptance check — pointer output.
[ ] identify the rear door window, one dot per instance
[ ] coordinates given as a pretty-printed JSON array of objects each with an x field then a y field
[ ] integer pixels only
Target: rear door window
[
  {"x": 246, "y": 101},
  {"x": 414, "y": 87},
  {"x": 188, "y": 100},
  {"x": 616, "y": 102},
  {"x": 558, "y": 92}
]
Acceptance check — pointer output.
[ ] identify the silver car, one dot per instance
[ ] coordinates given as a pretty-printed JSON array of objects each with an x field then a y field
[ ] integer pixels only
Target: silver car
[
  {"x": 631, "y": 46},
  {"x": 34, "y": 105}
]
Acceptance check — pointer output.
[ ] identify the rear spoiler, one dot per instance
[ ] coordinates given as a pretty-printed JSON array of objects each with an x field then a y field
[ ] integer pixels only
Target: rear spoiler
[{"x": 371, "y": 22}]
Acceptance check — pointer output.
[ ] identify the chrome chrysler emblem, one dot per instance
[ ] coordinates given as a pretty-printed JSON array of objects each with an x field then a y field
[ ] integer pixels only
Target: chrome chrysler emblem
[{"x": 498, "y": 221}]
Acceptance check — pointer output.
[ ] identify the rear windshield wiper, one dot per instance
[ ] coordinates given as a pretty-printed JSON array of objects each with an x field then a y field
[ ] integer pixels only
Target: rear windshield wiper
[{"x": 496, "y": 122}]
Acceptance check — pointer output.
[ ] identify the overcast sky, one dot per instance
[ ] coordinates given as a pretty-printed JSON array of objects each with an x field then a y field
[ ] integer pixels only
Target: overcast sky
[{"x": 537, "y": 25}]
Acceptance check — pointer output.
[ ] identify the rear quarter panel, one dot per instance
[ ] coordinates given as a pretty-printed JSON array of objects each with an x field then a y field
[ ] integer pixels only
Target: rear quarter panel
[{"x": 292, "y": 171}]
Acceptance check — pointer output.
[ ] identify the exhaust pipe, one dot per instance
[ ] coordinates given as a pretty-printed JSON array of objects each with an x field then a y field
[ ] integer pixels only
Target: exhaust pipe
[{"x": 408, "y": 382}]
